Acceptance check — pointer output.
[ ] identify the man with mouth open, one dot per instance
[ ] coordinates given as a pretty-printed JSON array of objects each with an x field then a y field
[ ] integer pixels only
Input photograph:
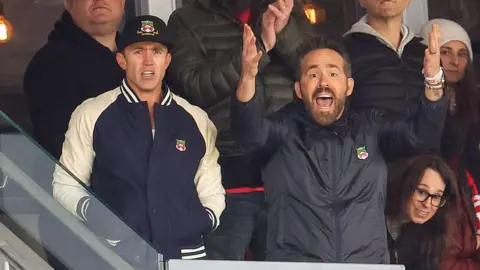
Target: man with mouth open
[
  {"x": 146, "y": 153},
  {"x": 325, "y": 181}
]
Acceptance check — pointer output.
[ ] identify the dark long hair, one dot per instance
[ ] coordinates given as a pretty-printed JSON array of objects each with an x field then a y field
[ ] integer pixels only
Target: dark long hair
[
  {"x": 421, "y": 246},
  {"x": 467, "y": 112}
]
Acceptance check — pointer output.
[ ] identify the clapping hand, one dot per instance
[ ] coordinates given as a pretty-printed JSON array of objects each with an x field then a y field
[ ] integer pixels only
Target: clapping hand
[
  {"x": 250, "y": 54},
  {"x": 250, "y": 59},
  {"x": 274, "y": 21}
]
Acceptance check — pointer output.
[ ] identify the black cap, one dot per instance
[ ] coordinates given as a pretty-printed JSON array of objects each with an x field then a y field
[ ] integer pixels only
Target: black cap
[{"x": 144, "y": 28}]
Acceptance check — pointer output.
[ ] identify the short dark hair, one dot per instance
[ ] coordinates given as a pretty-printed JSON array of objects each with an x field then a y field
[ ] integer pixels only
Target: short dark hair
[{"x": 318, "y": 42}]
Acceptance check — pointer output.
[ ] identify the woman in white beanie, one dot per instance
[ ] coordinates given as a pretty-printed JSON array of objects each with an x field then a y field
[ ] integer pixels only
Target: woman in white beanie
[{"x": 457, "y": 61}]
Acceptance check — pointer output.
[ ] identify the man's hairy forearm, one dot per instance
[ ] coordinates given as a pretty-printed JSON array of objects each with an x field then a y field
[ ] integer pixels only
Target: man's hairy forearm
[{"x": 246, "y": 89}]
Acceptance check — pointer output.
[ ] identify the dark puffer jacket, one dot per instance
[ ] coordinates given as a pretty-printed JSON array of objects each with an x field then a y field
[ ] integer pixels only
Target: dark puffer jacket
[
  {"x": 387, "y": 79},
  {"x": 206, "y": 66}
]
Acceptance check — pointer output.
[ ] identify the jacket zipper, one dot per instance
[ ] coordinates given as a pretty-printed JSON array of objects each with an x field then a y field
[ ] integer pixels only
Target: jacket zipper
[
  {"x": 407, "y": 96},
  {"x": 152, "y": 138},
  {"x": 402, "y": 63},
  {"x": 338, "y": 236}
]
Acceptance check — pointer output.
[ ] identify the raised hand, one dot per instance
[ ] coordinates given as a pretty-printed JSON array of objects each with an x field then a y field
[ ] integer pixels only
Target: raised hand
[
  {"x": 269, "y": 36},
  {"x": 281, "y": 9},
  {"x": 250, "y": 54},
  {"x": 434, "y": 80},
  {"x": 431, "y": 63},
  {"x": 250, "y": 59}
]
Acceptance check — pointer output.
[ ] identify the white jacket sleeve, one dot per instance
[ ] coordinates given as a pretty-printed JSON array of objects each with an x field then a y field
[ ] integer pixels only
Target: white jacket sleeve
[
  {"x": 208, "y": 178},
  {"x": 77, "y": 158},
  {"x": 78, "y": 155}
]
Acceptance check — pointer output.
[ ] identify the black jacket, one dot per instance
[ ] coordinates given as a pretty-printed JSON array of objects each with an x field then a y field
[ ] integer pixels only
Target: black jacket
[
  {"x": 206, "y": 66},
  {"x": 404, "y": 252},
  {"x": 69, "y": 69},
  {"x": 383, "y": 79},
  {"x": 388, "y": 82},
  {"x": 326, "y": 186}
]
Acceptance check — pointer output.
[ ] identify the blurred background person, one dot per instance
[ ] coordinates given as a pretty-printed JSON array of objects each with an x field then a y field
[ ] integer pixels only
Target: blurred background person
[
  {"x": 387, "y": 62},
  {"x": 78, "y": 62}
]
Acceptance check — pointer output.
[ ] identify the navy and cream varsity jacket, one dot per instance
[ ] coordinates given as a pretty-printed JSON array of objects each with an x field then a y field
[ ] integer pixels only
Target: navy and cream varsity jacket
[{"x": 165, "y": 185}]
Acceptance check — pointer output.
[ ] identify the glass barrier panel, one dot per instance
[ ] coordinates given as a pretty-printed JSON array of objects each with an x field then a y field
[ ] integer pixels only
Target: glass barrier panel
[
  {"x": 15, "y": 253},
  {"x": 62, "y": 233},
  {"x": 243, "y": 265}
]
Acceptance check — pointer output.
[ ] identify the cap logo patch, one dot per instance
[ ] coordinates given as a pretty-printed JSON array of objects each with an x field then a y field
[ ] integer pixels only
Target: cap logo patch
[{"x": 147, "y": 29}]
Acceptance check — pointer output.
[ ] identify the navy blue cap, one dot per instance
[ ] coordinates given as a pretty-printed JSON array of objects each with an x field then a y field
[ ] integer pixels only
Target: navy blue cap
[{"x": 144, "y": 28}]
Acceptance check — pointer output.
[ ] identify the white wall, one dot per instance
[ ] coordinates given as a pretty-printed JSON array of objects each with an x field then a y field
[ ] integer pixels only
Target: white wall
[
  {"x": 416, "y": 14},
  {"x": 159, "y": 8}
]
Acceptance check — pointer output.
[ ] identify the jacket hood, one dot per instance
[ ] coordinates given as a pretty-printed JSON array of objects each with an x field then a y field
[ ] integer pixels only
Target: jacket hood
[
  {"x": 363, "y": 27},
  {"x": 66, "y": 29}
]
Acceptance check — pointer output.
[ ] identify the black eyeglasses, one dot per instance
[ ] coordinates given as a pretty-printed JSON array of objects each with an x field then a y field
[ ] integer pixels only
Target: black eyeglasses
[{"x": 422, "y": 195}]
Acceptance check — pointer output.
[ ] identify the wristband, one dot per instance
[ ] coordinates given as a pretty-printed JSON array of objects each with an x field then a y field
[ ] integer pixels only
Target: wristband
[
  {"x": 438, "y": 78},
  {"x": 434, "y": 86}
]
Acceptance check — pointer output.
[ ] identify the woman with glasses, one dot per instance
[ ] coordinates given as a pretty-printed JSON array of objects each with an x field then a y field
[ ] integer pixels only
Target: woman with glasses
[{"x": 425, "y": 208}]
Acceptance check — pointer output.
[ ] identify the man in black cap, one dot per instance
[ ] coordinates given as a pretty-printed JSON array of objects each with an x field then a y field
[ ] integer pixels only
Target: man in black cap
[{"x": 148, "y": 154}]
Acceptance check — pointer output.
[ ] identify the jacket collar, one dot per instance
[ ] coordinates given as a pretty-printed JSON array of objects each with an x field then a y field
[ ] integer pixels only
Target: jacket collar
[
  {"x": 132, "y": 97},
  {"x": 340, "y": 126}
]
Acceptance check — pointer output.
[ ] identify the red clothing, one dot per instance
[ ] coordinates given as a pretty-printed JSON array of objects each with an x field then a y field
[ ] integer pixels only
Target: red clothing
[
  {"x": 461, "y": 253},
  {"x": 473, "y": 184},
  {"x": 475, "y": 198},
  {"x": 244, "y": 16},
  {"x": 244, "y": 190}
]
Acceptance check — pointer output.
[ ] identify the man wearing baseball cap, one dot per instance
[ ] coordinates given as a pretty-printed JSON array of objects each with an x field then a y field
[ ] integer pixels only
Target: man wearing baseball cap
[{"x": 148, "y": 154}]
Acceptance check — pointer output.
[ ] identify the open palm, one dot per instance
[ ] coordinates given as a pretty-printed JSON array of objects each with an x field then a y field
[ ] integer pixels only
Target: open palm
[{"x": 250, "y": 54}]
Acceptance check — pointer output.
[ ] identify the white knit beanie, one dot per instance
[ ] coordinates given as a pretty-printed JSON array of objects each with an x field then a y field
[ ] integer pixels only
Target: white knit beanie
[{"x": 449, "y": 31}]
